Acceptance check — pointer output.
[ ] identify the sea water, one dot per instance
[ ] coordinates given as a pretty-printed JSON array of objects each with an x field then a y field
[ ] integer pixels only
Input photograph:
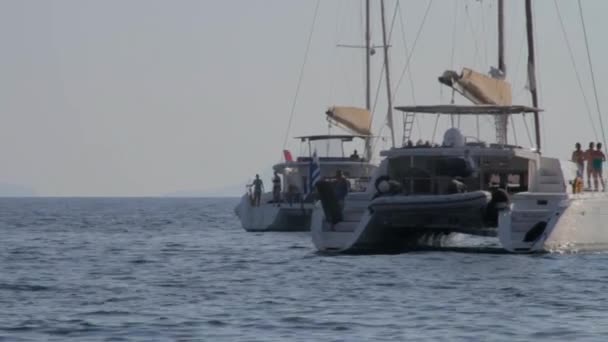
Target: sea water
[{"x": 103, "y": 269}]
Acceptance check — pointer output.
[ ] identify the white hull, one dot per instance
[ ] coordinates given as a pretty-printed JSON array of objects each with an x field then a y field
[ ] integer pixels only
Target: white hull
[
  {"x": 574, "y": 222},
  {"x": 270, "y": 217},
  {"x": 341, "y": 236}
]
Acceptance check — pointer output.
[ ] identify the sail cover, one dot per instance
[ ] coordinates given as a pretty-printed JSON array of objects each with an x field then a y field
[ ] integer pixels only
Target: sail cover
[
  {"x": 479, "y": 88},
  {"x": 357, "y": 120}
]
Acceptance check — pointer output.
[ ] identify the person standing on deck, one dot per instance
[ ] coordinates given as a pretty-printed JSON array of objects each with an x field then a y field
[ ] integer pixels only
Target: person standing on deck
[
  {"x": 578, "y": 157},
  {"x": 597, "y": 162},
  {"x": 341, "y": 188},
  {"x": 258, "y": 187},
  {"x": 589, "y": 158},
  {"x": 276, "y": 189}
]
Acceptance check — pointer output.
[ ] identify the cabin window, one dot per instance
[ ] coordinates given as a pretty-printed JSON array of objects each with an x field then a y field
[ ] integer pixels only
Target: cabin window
[{"x": 434, "y": 174}]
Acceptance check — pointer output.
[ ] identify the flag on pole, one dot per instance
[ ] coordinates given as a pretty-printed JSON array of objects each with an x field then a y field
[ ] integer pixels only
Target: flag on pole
[
  {"x": 287, "y": 156},
  {"x": 314, "y": 174}
]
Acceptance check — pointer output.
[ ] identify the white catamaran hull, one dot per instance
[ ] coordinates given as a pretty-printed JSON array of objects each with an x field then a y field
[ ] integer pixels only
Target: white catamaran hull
[
  {"x": 538, "y": 222},
  {"x": 270, "y": 217}
]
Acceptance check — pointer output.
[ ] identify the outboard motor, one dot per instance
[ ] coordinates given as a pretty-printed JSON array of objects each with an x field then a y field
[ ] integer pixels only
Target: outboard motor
[
  {"x": 329, "y": 202},
  {"x": 500, "y": 201}
]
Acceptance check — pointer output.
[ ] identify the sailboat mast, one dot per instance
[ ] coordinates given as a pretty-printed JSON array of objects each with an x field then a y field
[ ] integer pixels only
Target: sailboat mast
[
  {"x": 368, "y": 94},
  {"x": 389, "y": 114},
  {"x": 501, "y": 37},
  {"x": 531, "y": 70},
  {"x": 501, "y": 121}
]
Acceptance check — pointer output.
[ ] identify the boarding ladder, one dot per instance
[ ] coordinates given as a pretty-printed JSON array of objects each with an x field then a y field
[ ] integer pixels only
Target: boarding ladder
[{"x": 408, "y": 126}]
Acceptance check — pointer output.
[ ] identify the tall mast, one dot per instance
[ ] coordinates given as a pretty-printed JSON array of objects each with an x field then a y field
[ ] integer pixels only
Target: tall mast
[
  {"x": 368, "y": 96},
  {"x": 389, "y": 114},
  {"x": 531, "y": 70},
  {"x": 501, "y": 37},
  {"x": 501, "y": 121}
]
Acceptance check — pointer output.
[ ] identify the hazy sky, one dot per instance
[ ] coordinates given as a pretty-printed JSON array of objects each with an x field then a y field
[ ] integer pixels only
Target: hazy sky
[{"x": 146, "y": 97}]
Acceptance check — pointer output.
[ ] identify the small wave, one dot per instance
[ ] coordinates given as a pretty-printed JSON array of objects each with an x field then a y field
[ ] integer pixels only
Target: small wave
[
  {"x": 298, "y": 247},
  {"x": 216, "y": 323},
  {"x": 386, "y": 284},
  {"x": 141, "y": 261},
  {"x": 23, "y": 287},
  {"x": 27, "y": 325},
  {"x": 173, "y": 285},
  {"x": 107, "y": 313},
  {"x": 296, "y": 319}
]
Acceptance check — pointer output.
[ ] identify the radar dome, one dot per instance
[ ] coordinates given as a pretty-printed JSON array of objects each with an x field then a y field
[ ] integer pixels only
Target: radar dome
[{"x": 453, "y": 138}]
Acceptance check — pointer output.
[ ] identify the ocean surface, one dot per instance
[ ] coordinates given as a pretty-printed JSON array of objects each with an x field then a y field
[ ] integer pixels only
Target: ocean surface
[{"x": 184, "y": 270}]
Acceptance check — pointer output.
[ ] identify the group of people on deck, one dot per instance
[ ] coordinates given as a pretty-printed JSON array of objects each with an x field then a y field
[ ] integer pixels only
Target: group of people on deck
[
  {"x": 341, "y": 189},
  {"x": 258, "y": 189},
  {"x": 592, "y": 159}
]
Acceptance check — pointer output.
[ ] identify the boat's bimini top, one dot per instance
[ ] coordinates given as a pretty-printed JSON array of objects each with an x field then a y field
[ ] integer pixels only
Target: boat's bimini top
[
  {"x": 469, "y": 109},
  {"x": 342, "y": 137},
  {"x": 495, "y": 151}
]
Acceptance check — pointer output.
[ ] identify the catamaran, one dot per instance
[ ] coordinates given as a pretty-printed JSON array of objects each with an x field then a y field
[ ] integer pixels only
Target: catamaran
[
  {"x": 420, "y": 194},
  {"x": 324, "y": 156}
]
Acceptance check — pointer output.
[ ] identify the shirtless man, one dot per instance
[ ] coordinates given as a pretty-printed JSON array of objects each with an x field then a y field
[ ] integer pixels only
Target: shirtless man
[
  {"x": 597, "y": 161},
  {"x": 578, "y": 157}
]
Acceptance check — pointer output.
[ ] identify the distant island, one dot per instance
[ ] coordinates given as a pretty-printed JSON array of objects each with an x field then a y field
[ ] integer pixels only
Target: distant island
[{"x": 15, "y": 190}]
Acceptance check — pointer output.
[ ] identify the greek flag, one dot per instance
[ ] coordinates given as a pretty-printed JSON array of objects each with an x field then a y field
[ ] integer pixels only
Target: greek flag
[{"x": 314, "y": 174}]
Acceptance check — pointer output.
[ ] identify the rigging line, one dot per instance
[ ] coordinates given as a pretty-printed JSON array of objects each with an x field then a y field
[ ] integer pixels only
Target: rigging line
[
  {"x": 597, "y": 101},
  {"x": 454, "y": 35},
  {"x": 578, "y": 77},
  {"x": 435, "y": 128},
  {"x": 519, "y": 58},
  {"x": 527, "y": 129},
  {"x": 410, "y": 77},
  {"x": 470, "y": 22},
  {"x": 295, "y": 100},
  {"x": 390, "y": 36},
  {"x": 333, "y": 76},
  {"x": 409, "y": 57},
  {"x": 484, "y": 35},
  {"x": 383, "y": 67}
]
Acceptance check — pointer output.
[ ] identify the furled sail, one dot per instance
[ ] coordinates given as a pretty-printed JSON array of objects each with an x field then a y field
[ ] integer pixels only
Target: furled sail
[
  {"x": 479, "y": 88},
  {"x": 357, "y": 120}
]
